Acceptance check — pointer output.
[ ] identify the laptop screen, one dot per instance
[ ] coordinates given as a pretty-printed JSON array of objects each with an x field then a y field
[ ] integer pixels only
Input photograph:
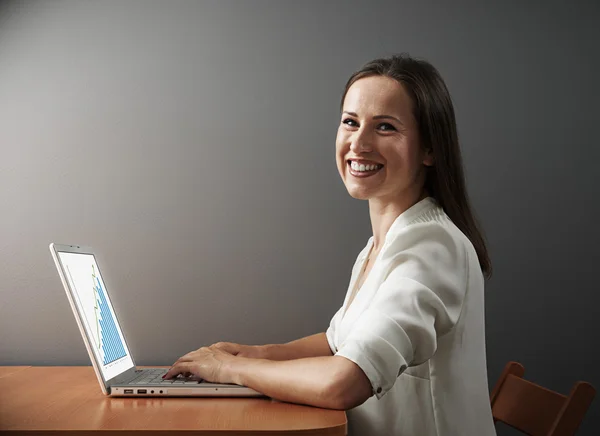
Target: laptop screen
[{"x": 96, "y": 313}]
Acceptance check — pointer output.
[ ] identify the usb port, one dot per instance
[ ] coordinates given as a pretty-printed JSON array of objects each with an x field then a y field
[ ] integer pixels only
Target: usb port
[
  {"x": 142, "y": 391},
  {"x": 128, "y": 391}
]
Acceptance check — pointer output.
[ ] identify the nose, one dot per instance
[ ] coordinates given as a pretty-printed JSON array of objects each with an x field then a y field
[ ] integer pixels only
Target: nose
[{"x": 360, "y": 143}]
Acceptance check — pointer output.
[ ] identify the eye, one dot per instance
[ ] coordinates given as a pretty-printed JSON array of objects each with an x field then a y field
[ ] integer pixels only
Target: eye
[
  {"x": 387, "y": 127},
  {"x": 350, "y": 122}
]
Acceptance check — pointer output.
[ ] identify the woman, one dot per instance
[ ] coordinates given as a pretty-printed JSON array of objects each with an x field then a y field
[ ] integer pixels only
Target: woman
[{"x": 405, "y": 354}]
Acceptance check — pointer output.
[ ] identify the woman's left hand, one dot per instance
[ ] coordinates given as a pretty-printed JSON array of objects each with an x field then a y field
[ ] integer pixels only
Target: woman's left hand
[{"x": 207, "y": 363}]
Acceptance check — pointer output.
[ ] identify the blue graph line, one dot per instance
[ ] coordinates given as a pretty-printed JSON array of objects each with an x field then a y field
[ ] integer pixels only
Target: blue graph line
[{"x": 111, "y": 341}]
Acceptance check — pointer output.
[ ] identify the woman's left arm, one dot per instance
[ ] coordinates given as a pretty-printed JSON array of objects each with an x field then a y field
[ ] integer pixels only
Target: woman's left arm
[{"x": 331, "y": 382}]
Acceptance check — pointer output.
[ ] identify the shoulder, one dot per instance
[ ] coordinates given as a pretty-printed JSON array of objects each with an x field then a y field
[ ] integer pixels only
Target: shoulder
[
  {"x": 429, "y": 246},
  {"x": 428, "y": 232}
]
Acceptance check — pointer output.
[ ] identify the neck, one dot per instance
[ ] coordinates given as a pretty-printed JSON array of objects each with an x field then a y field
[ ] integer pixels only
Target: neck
[{"x": 383, "y": 214}]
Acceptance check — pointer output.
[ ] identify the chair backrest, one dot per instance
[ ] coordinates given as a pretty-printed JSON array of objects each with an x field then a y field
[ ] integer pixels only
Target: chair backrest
[{"x": 535, "y": 410}]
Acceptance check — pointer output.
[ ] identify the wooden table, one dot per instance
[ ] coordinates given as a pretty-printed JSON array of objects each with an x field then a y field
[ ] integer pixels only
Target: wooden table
[{"x": 60, "y": 399}]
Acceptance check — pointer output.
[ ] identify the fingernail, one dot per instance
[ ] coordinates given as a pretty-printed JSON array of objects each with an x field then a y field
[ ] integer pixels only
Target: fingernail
[{"x": 164, "y": 376}]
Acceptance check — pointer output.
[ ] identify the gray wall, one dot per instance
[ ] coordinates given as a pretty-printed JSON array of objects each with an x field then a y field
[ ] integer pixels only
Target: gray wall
[{"x": 192, "y": 144}]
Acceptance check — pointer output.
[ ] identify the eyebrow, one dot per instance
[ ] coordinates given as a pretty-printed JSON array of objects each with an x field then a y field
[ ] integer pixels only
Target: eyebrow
[{"x": 376, "y": 117}]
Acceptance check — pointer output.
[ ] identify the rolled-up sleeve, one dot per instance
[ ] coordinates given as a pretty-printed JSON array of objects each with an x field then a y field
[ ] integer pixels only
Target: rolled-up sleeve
[{"x": 419, "y": 301}]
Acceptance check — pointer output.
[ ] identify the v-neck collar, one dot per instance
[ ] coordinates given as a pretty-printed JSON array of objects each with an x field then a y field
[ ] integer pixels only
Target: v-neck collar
[{"x": 354, "y": 285}]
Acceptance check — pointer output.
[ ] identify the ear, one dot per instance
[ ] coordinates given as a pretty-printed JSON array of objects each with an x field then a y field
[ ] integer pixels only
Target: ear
[{"x": 428, "y": 158}]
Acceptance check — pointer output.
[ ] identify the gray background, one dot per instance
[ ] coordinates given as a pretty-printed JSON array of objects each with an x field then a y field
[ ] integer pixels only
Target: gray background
[{"x": 192, "y": 144}]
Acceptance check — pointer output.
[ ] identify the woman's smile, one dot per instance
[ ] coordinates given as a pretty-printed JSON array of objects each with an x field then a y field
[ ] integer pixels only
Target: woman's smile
[{"x": 362, "y": 171}]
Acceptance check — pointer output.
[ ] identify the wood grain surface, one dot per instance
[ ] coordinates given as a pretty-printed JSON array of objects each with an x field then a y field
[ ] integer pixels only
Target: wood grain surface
[{"x": 40, "y": 400}]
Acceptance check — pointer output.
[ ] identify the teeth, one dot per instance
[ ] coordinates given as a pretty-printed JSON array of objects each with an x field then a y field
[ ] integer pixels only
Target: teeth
[{"x": 363, "y": 167}]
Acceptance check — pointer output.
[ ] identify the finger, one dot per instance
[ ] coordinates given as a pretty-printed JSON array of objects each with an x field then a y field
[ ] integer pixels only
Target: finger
[
  {"x": 193, "y": 377},
  {"x": 177, "y": 369}
]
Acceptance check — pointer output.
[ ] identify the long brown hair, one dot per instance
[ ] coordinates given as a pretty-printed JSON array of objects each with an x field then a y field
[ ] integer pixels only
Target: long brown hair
[{"x": 434, "y": 113}]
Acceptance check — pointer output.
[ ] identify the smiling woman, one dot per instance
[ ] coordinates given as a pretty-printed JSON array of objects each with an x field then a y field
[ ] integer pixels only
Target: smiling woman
[
  {"x": 405, "y": 353},
  {"x": 413, "y": 317}
]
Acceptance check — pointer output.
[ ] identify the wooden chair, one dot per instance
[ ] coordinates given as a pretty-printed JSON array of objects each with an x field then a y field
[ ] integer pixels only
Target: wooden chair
[{"x": 535, "y": 410}]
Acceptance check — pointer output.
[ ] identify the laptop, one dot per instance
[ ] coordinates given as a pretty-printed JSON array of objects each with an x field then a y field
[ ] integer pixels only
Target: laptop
[{"x": 105, "y": 340}]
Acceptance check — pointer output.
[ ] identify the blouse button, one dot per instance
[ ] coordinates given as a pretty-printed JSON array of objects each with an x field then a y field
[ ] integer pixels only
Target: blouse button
[{"x": 379, "y": 390}]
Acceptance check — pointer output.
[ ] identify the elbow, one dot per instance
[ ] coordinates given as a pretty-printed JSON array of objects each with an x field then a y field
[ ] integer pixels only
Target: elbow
[
  {"x": 348, "y": 394},
  {"x": 349, "y": 386}
]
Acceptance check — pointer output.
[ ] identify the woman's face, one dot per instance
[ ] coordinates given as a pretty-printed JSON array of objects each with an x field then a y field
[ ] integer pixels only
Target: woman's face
[{"x": 378, "y": 129}]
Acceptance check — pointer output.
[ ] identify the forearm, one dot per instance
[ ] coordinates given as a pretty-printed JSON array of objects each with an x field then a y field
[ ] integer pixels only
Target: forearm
[
  {"x": 303, "y": 381},
  {"x": 311, "y": 346}
]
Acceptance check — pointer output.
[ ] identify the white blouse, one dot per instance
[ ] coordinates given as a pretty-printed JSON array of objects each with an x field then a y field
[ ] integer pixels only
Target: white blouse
[{"x": 416, "y": 328}]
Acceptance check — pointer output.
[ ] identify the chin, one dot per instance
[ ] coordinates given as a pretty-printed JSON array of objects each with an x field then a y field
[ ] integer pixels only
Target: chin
[{"x": 358, "y": 194}]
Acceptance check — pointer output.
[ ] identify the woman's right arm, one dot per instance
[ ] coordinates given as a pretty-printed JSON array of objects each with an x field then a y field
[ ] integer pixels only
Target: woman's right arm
[{"x": 311, "y": 346}]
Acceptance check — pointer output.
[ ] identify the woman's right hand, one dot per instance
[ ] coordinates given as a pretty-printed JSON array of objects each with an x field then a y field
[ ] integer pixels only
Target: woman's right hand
[{"x": 250, "y": 351}]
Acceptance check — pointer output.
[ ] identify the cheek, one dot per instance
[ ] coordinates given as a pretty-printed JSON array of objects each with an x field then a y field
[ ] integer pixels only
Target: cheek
[{"x": 408, "y": 154}]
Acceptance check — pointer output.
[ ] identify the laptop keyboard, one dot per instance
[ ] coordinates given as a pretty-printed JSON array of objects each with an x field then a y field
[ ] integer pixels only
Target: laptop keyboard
[{"x": 154, "y": 376}]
